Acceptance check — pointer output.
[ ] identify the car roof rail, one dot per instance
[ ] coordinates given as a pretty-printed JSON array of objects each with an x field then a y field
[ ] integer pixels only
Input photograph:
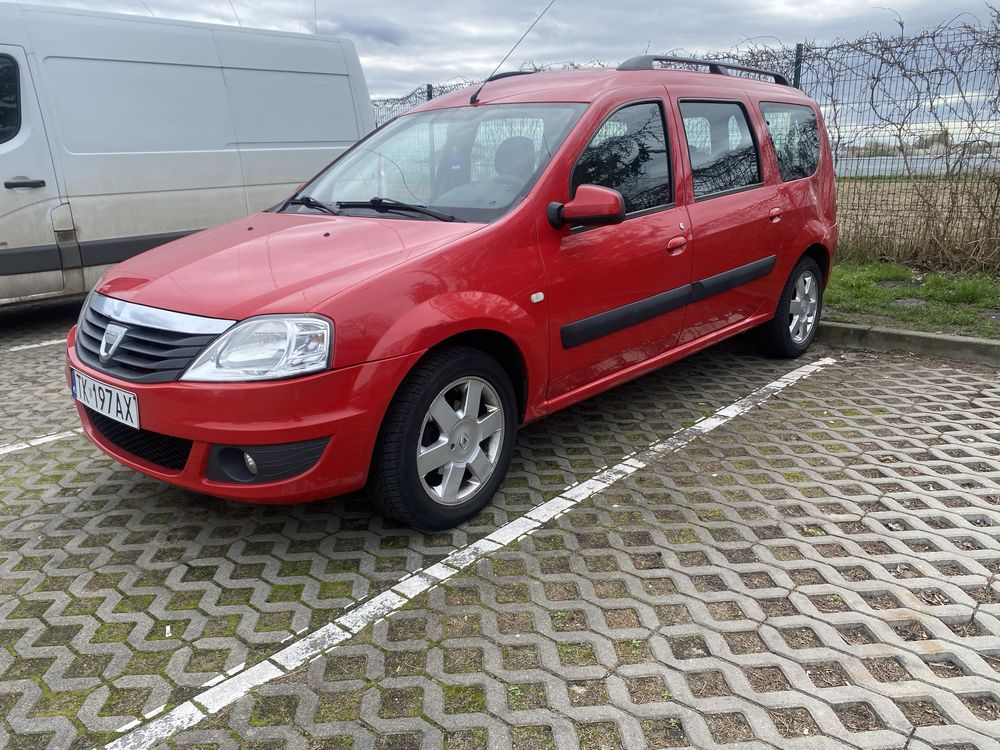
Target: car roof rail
[
  {"x": 647, "y": 62},
  {"x": 496, "y": 77}
]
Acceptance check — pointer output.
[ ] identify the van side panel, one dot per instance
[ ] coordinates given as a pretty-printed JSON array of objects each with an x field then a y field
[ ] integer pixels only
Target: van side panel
[
  {"x": 141, "y": 129},
  {"x": 289, "y": 117},
  {"x": 159, "y": 128}
]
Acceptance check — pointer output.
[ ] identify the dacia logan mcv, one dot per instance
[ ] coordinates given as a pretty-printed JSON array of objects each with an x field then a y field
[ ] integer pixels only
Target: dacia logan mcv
[{"x": 471, "y": 266}]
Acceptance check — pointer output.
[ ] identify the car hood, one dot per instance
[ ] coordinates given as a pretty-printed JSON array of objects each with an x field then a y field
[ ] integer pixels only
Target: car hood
[{"x": 272, "y": 262}]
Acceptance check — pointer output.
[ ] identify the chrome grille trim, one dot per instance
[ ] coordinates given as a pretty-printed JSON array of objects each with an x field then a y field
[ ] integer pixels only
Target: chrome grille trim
[
  {"x": 157, "y": 347},
  {"x": 130, "y": 313}
]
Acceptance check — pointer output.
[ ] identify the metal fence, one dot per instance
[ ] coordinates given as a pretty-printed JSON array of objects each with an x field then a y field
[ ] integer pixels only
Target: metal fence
[
  {"x": 387, "y": 107},
  {"x": 914, "y": 126}
]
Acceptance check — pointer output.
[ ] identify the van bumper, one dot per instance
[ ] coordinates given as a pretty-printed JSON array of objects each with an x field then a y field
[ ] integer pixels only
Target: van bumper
[{"x": 309, "y": 437}]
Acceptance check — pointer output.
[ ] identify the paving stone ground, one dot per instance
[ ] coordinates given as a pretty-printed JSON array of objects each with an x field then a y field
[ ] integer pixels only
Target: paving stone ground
[{"x": 820, "y": 572}]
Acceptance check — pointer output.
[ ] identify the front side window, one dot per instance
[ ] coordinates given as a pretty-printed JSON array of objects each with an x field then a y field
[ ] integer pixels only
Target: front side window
[
  {"x": 795, "y": 136},
  {"x": 723, "y": 153},
  {"x": 628, "y": 153},
  {"x": 473, "y": 163},
  {"x": 10, "y": 104}
]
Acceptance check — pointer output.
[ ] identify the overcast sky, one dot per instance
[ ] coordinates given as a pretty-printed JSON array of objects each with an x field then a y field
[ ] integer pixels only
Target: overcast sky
[{"x": 404, "y": 43}]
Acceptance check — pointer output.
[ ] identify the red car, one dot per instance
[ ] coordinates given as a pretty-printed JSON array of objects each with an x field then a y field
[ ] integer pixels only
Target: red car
[{"x": 473, "y": 265}]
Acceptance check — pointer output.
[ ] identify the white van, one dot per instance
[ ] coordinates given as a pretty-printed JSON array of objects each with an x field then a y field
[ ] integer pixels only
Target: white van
[{"x": 119, "y": 133}]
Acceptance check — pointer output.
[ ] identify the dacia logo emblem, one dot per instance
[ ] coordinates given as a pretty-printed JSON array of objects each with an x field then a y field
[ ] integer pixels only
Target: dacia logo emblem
[{"x": 111, "y": 340}]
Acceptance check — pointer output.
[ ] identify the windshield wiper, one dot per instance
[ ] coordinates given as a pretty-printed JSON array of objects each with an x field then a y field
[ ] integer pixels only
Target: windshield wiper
[
  {"x": 309, "y": 202},
  {"x": 383, "y": 205}
]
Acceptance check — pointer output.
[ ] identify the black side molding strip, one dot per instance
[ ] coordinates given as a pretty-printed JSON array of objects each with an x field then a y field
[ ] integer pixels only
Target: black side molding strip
[
  {"x": 596, "y": 326},
  {"x": 92, "y": 253},
  {"x": 611, "y": 321},
  {"x": 723, "y": 282},
  {"x": 101, "y": 252},
  {"x": 29, "y": 259}
]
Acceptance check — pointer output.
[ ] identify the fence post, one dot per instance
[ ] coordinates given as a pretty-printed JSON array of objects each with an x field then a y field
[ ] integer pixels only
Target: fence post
[
  {"x": 430, "y": 91},
  {"x": 797, "y": 74}
]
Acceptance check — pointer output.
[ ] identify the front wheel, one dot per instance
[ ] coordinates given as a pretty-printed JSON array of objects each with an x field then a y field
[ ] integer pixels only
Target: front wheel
[
  {"x": 446, "y": 442},
  {"x": 796, "y": 320}
]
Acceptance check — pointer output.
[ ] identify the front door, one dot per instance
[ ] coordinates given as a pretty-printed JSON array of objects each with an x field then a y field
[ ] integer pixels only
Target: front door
[
  {"x": 29, "y": 258},
  {"x": 616, "y": 293}
]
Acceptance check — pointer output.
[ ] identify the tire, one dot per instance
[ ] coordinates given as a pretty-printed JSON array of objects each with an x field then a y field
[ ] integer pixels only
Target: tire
[
  {"x": 427, "y": 415},
  {"x": 776, "y": 337}
]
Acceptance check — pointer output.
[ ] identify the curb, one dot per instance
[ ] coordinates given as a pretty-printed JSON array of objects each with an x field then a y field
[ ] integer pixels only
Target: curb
[{"x": 961, "y": 348}]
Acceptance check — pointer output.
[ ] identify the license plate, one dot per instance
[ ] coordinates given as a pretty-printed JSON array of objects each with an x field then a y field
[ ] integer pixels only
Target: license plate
[{"x": 122, "y": 406}]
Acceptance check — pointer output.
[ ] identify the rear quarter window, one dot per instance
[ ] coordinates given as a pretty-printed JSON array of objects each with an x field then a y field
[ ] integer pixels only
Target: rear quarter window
[
  {"x": 794, "y": 134},
  {"x": 10, "y": 105}
]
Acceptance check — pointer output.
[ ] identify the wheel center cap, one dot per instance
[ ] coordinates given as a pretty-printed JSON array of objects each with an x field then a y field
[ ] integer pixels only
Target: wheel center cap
[{"x": 463, "y": 439}]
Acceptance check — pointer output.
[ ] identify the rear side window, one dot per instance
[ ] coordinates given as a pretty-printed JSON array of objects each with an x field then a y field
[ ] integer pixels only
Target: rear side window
[
  {"x": 723, "y": 153},
  {"x": 629, "y": 154},
  {"x": 10, "y": 104},
  {"x": 795, "y": 137}
]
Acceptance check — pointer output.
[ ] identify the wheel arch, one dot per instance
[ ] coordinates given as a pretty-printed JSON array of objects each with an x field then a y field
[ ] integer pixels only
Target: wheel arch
[
  {"x": 500, "y": 347},
  {"x": 821, "y": 255}
]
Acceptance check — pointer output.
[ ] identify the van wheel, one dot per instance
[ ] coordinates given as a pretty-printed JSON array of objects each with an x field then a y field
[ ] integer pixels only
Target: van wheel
[
  {"x": 792, "y": 329},
  {"x": 446, "y": 442}
]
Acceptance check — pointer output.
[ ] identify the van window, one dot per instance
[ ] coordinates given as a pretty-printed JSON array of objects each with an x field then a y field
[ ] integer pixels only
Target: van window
[
  {"x": 629, "y": 154},
  {"x": 10, "y": 105},
  {"x": 795, "y": 136},
  {"x": 723, "y": 152}
]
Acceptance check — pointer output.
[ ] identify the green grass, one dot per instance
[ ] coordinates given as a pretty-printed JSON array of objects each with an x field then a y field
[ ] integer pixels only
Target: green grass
[{"x": 866, "y": 293}]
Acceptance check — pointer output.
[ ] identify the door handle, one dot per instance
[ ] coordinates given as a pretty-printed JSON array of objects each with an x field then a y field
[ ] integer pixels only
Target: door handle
[
  {"x": 676, "y": 245},
  {"x": 774, "y": 215},
  {"x": 10, "y": 184}
]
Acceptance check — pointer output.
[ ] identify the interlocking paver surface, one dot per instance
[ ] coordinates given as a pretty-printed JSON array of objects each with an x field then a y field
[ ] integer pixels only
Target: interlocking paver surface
[{"x": 820, "y": 572}]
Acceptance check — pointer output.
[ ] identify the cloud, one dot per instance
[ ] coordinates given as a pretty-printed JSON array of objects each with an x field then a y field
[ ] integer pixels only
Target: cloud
[
  {"x": 406, "y": 44},
  {"x": 367, "y": 29}
]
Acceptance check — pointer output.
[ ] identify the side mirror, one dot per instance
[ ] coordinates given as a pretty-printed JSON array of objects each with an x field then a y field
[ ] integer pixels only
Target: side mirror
[{"x": 592, "y": 205}]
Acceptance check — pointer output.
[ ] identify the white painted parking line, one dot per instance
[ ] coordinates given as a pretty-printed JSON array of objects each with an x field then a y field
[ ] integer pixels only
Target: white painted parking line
[
  {"x": 14, "y": 447},
  {"x": 357, "y": 618},
  {"x": 23, "y": 347}
]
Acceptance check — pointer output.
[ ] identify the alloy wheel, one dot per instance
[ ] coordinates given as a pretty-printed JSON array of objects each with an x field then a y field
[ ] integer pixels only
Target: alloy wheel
[
  {"x": 803, "y": 308},
  {"x": 460, "y": 439}
]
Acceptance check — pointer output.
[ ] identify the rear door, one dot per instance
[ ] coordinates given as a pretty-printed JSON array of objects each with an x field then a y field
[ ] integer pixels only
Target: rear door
[
  {"x": 616, "y": 293},
  {"x": 735, "y": 216},
  {"x": 29, "y": 258}
]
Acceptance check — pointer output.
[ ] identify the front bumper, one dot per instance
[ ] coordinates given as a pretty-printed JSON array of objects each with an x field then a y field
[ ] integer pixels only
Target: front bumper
[{"x": 342, "y": 407}]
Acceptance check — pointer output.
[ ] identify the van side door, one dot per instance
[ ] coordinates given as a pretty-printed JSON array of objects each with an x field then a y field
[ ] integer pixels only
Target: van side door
[
  {"x": 738, "y": 239},
  {"x": 30, "y": 262}
]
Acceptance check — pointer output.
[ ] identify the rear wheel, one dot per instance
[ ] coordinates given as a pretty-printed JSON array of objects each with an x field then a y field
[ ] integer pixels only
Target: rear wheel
[
  {"x": 796, "y": 320},
  {"x": 447, "y": 441}
]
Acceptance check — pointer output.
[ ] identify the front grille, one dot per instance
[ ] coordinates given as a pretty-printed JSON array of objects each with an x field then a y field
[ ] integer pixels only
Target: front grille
[
  {"x": 162, "y": 450},
  {"x": 145, "y": 355}
]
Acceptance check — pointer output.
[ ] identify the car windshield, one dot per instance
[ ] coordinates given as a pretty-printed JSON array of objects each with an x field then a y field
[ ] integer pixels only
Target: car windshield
[{"x": 472, "y": 163}]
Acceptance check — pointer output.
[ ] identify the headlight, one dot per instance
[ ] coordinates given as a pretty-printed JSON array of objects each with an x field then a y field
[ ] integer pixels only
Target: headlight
[{"x": 266, "y": 348}]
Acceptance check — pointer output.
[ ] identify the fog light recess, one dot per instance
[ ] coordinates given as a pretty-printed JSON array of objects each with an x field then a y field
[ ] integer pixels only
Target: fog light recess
[{"x": 249, "y": 464}]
